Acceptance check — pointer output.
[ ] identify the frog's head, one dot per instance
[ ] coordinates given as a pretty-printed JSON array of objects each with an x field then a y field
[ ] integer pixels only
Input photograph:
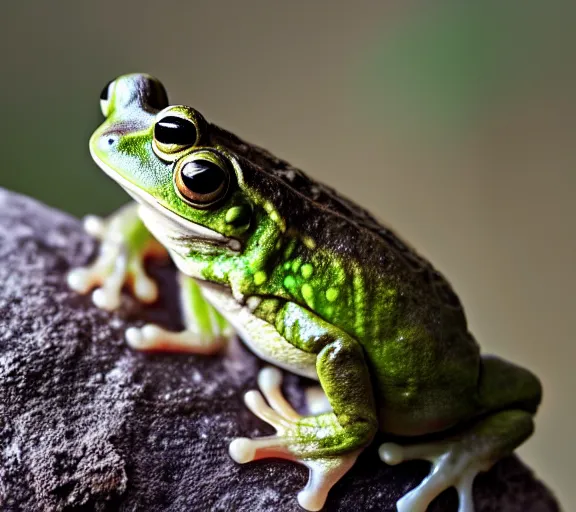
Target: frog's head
[{"x": 184, "y": 171}]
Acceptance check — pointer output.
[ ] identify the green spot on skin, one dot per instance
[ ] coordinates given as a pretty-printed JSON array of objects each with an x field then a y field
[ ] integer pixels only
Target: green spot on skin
[
  {"x": 259, "y": 277},
  {"x": 307, "y": 292},
  {"x": 309, "y": 242},
  {"x": 289, "y": 282},
  {"x": 331, "y": 294},
  {"x": 296, "y": 265},
  {"x": 274, "y": 216},
  {"x": 307, "y": 270},
  {"x": 287, "y": 265},
  {"x": 289, "y": 249},
  {"x": 234, "y": 214}
]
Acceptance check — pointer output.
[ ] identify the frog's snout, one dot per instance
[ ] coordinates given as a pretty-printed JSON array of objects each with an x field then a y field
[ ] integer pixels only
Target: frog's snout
[{"x": 108, "y": 139}]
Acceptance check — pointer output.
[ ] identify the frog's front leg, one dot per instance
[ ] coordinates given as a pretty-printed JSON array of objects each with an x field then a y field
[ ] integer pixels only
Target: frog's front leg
[
  {"x": 125, "y": 244},
  {"x": 328, "y": 444},
  {"x": 206, "y": 330}
]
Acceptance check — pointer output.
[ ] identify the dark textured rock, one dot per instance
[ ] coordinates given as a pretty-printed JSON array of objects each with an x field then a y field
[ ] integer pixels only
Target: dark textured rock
[{"x": 87, "y": 424}]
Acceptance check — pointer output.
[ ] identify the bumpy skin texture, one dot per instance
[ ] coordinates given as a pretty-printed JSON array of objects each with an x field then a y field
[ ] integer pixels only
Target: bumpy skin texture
[
  {"x": 334, "y": 295},
  {"x": 87, "y": 424},
  {"x": 303, "y": 244}
]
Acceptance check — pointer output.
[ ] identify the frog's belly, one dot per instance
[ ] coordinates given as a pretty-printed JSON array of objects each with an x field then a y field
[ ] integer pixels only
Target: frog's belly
[{"x": 262, "y": 338}]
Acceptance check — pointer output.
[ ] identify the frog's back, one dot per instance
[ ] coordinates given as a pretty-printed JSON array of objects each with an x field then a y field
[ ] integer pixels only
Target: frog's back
[
  {"x": 361, "y": 277},
  {"x": 410, "y": 322},
  {"x": 320, "y": 211}
]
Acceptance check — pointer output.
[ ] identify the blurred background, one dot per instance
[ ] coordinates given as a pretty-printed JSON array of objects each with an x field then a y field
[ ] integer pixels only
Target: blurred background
[{"x": 452, "y": 121}]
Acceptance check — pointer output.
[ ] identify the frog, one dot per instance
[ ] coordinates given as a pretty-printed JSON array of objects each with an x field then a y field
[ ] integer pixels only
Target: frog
[{"x": 314, "y": 285}]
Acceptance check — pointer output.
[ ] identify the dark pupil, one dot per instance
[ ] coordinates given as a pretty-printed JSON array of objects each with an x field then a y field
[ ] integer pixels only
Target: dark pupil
[
  {"x": 157, "y": 98},
  {"x": 202, "y": 177},
  {"x": 175, "y": 130},
  {"x": 104, "y": 93}
]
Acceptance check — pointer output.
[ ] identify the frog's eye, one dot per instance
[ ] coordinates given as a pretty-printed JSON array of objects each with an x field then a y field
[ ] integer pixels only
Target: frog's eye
[
  {"x": 175, "y": 131},
  {"x": 156, "y": 97},
  {"x": 105, "y": 98},
  {"x": 202, "y": 179}
]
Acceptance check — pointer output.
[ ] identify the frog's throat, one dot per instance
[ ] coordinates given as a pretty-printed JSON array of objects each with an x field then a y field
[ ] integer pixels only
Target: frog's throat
[
  {"x": 179, "y": 235},
  {"x": 171, "y": 229}
]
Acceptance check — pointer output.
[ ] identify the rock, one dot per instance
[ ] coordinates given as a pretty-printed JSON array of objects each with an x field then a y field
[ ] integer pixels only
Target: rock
[{"x": 88, "y": 424}]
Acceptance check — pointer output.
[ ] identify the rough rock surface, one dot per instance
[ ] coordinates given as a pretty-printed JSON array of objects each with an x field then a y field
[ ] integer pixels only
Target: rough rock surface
[{"x": 87, "y": 424}]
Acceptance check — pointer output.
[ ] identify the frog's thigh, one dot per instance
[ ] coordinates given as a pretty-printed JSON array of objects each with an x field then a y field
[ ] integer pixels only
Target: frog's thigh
[
  {"x": 503, "y": 384},
  {"x": 206, "y": 330},
  {"x": 510, "y": 390}
]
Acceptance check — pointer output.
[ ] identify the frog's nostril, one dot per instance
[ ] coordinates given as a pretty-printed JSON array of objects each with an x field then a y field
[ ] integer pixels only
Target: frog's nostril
[{"x": 108, "y": 141}]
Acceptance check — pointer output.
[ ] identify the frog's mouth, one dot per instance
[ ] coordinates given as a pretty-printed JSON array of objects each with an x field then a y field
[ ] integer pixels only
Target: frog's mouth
[
  {"x": 172, "y": 230},
  {"x": 179, "y": 234}
]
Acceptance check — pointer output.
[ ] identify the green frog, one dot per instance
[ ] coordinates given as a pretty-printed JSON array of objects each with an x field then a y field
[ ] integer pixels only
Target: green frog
[{"x": 313, "y": 284}]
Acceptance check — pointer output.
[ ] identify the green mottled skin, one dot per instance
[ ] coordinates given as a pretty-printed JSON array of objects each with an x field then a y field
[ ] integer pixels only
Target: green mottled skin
[{"x": 392, "y": 347}]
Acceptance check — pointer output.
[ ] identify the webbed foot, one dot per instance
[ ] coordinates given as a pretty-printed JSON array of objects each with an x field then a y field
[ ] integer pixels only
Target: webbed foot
[
  {"x": 297, "y": 438},
  {"x": 456, "y": 461},
  {"x": 125, "y": 244},
  {"x": 450, "y": 467}
]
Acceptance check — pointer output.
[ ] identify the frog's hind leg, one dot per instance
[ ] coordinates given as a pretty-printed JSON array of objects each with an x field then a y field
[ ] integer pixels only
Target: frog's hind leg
[
  {"x": 206, "y": 330},
  {"x": 457, "y": 461},
  {"x": 513, "y": 394}
]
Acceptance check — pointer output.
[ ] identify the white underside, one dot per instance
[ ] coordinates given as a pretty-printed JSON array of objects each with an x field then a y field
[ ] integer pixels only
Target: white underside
[{"x": 261, "y": 337}]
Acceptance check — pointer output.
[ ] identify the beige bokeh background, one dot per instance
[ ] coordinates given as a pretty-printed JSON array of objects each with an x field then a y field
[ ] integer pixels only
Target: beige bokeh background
[{"x": 453, "y": 124}]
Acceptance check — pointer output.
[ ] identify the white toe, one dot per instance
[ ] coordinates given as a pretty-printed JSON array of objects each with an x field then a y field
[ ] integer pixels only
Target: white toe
[
  {"x": 134, "y": 337},
  {"x": 309, "y": 500},
  {"x": 79, "y": 280},
  {"x": 105, "y": 299},
  {"x": 391, "y": 453},
  {"x": 94, "y": 226},
  {"x": 242, "y": 450},
  {"x": 145, "y": 289}
]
